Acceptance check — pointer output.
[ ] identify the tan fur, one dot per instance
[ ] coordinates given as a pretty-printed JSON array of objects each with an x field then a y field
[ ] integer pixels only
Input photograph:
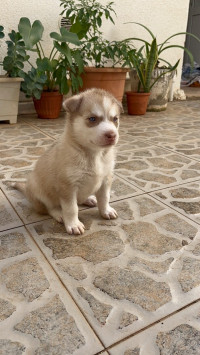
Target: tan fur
[{"x": 80, "y": 163}]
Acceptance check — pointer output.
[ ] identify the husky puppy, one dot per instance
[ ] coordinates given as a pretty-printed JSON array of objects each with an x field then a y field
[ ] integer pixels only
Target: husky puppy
[{"x": 78, "y": 168}]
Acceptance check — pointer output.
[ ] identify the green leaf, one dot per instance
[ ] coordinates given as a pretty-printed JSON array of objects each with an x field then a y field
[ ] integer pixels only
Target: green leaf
[
  {"x": 78, "y": 60},
  {"x": 30, "y": 34},
  {"x": 80, "y": 28},
  {"x": 178, "y": 34},
  {"x": 99, "y": 21},
  {"x": 185, "y": 49},
  {"x": 173, "y": 68},
  {"x": 65, "y": 36},
  {"x": 44, "y": 64},
  {"x": 1, "y": 32},
  {"x": 64, "y": 49},
  {"x": 151, "y": 63},
  {"x": 146, "y": 28}
]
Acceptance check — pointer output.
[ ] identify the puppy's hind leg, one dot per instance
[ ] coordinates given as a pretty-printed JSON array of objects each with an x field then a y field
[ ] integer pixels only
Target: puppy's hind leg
[
  {"x": 37, "y": 204},
  {"x": 20, "y": 186},
  {"x": 56, "y": 213},
  {"x": 91, "y": 201}
]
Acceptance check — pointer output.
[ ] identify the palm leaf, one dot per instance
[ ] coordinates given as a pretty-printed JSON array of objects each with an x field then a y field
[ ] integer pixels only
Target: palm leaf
[
  {"x": 177, "y": 34},
  {"x": 185, "y": 49},
  {"x": 146, "y": 28}
]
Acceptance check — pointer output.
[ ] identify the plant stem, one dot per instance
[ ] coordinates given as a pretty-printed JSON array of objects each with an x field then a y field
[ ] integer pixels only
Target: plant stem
[{"x": 41, "y": 49}]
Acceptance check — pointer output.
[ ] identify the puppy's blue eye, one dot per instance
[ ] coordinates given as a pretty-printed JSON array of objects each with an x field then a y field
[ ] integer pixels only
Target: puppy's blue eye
[
  {"x": 115, "y": 119},
  {"x": 92, "y": 119}
]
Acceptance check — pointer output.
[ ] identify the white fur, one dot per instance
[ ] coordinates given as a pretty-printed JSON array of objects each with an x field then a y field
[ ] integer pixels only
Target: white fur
[{"x": 79, "y": 165}]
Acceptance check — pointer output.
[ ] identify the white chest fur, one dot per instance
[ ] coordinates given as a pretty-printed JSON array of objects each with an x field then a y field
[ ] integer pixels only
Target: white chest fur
[{"x": 96, "y": 169}]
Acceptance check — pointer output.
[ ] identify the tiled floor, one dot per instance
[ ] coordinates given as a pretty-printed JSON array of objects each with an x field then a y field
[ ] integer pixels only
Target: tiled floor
[{"x": 127, "y": 286}]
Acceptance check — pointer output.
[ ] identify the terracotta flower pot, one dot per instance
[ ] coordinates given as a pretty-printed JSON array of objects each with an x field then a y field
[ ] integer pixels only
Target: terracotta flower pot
[
  {"x": 110, "y": 79},
  {"x": 160, "y": 92},
  {"x": 137, "y": 102},
  {"x": 49, "y": 105}
]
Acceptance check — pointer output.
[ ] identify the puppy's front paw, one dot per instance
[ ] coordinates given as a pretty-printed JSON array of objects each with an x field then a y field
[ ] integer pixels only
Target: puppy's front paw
[
  {"x": 109, "y": 213},
  {"x": 75, "y": 228}
]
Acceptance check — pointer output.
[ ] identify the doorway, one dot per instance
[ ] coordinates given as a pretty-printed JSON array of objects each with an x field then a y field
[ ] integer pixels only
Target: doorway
[{"x": 193, "y": 26}]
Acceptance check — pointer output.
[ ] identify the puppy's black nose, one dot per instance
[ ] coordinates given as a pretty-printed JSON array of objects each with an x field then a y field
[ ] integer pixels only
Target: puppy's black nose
[{"x": 110, "y": 135}]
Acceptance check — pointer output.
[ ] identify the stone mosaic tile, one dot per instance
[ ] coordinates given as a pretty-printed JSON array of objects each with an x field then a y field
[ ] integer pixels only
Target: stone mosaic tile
[
  {"x": 37, "y": 315},
  {"x": 190, "y": 148},
  {"x": 155, "y": 168},
  {"x": 34, "y": 119},
  {"x": 19, "y": 132},
  {"x": 20, "y": 203},
  {"x": 122, "y": 189},
  {"x": 177, "y": 125},
  {"x": 22, "y": 155},
  {"x": 126, "y": 273},
  {"x": 185, "y": 199},
  {"x": 177, "y": 334},
  {"x": 11, "y": 347},
  {"x": 50, "y": 127},
  {"x": 127, "y": 142},
  {"x": 8, "y": 217}
]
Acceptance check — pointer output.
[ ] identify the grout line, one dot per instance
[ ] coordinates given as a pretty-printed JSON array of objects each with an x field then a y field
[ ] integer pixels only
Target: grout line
[
  {"x": 10, "y": 229},
  {"x": 13, "y": 208},
  {"x": 154, "y": 323},
  {"x": 181, "y": 213},
  {"x": 161, "y": 147},
  {"x": 160, "y": 188}
]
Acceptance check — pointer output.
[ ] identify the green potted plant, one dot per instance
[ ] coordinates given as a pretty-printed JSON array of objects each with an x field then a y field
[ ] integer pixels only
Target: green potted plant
[
  {"x": 53, "y": 75},
  {"x": 10, "y": 82},
  {"x": 162, "y": 73},
  {"x": 144, "y": 63},
  {"x": 106, "y": 62}
]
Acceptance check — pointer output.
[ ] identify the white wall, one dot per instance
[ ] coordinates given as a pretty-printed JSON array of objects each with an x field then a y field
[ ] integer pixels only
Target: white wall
[
  {"x": 47, "y": 11},
  {"x": 163, "y": 17}
]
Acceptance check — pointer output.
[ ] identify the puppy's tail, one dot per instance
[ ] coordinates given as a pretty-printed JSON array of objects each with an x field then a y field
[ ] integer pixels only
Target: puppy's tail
[{"x": 21, "y": 186}]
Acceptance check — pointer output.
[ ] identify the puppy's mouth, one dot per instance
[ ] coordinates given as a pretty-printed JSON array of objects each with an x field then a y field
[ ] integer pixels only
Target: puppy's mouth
[{"x": 105, "y": 144}]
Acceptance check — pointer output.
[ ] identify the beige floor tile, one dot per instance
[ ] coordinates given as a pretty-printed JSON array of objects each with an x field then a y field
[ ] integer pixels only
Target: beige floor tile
[
  {"x": 126, "y": 273},
  {"x": 22, "y": 154},
  {"x": 183, "y": 198},
  {"x": 135, "y": 280},
  {"x": 37, "y": 315},
  {"x": 8, "y": 216},
  {"x": 19, "y": 132},
  {"x": 177, "y": 334},
  {"x": 154, "y": 168}
]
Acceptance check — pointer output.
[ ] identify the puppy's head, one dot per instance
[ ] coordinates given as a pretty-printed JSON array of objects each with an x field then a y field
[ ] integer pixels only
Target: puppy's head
[{"x": 94, "y": 118}]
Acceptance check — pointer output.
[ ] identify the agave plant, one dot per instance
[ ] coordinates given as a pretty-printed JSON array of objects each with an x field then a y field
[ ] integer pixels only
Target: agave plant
[
  {"x": 148, "y": 58},
  {"x": 59, "y": 70}
]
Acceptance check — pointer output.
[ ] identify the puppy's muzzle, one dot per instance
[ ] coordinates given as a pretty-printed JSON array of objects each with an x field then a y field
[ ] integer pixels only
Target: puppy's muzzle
[{"x": 110, "y": 137}]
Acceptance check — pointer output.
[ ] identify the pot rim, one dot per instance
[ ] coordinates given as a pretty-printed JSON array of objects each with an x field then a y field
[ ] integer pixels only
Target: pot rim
[
  {"x": 106, "y": 69},
  {"x": 135, "y": 93},
  {"x": 7, "y": 79}
]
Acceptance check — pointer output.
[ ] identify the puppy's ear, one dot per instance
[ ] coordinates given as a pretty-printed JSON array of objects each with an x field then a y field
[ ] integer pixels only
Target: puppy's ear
[
  {"x": 120, "y": 106},
  {"x": 73, "y": 104}
]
